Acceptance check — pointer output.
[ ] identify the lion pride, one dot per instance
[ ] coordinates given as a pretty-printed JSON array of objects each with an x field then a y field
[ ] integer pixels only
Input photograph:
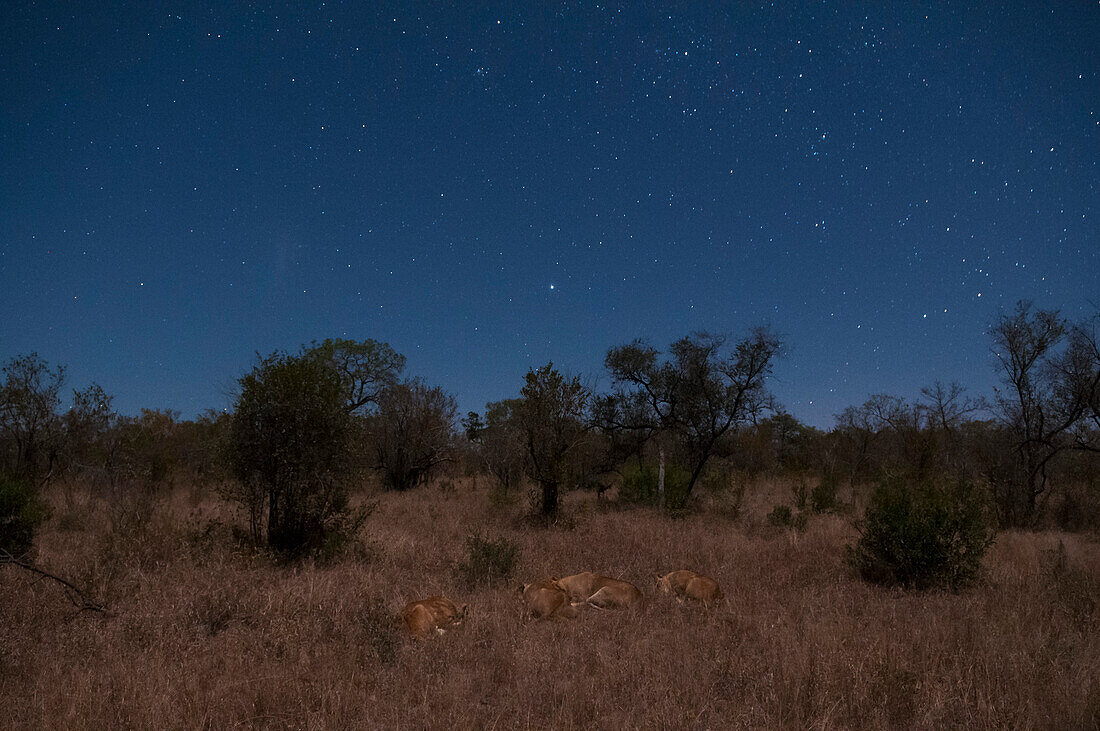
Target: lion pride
[
  {"x": 434, "y": 613},
  {"x": 545, "y": 600},
  {"x": 602, "y": 592},
  {"x": 690, "y": 585}
]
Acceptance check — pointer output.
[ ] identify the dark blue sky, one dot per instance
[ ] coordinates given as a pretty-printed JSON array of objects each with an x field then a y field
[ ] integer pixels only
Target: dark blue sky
[{"x": 490, "y": 189}]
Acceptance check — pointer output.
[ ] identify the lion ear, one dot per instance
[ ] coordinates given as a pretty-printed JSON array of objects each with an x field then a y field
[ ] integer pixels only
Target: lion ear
[{"x": 522, "y": 588}]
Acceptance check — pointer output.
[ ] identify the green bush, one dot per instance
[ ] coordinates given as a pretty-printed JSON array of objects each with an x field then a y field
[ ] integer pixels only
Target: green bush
[
  {"x": 639, "y": 485},
  {"x": 20, "y": 515},
  {"x": 922, "y": 535},
  {"x": 487, "y": 561}
]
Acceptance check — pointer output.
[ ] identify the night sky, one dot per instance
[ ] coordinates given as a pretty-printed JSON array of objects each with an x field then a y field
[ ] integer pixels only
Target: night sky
[{"x": 183, "y": 186}]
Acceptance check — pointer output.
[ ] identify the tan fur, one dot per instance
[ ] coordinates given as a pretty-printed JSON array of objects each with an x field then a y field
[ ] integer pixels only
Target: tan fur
[
  {"x": 436, "y": 613},
  {"x": 690, "y": 585},
  {"x": 601, "y": 591},
  {"x": 545, "y": 599}
]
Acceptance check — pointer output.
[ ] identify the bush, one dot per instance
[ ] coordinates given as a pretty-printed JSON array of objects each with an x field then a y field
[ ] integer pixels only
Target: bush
[
  {"x": 922, "y": 535},
  {"x": 823, "y": 498},
  {"x": 782, "y": 516},
  {"x": 487, "y": 561},
  {"x": 639, "y": 485},
  {"x": 20, "y": 515}
]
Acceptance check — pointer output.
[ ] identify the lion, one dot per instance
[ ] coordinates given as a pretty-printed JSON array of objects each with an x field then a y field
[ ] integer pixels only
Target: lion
[
  {"x": 434, "y": 613},
  {"x": 545, "y": 600},
  {"x": 690, "y": 585},
  {"x": 601, "y": 592}
]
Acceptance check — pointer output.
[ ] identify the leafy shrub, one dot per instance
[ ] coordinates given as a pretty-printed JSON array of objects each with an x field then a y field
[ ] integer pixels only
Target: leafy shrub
[
  {"x": 921, "y": 535},
  {"x": 782, "y": 516},
  {"x": 639, "y": 485},
  {"x": 487, "y": 561},
  {"x": 20, "y": 515}
]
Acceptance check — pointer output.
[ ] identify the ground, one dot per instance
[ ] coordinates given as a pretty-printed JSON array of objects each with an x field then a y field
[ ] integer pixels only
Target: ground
[{"x": 204, "y": 632}]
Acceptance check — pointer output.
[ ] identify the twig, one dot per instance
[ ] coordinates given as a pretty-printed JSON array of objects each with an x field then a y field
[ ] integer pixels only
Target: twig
[{"x": 74, "y": 593}]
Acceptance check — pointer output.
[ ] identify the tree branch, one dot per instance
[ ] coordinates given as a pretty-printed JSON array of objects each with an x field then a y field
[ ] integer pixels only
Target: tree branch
[{"x": 76, "y": 595}]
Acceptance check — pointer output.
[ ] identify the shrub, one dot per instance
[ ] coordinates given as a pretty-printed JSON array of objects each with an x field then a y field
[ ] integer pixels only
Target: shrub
[
  {"x": 639, "y": 485},
  {"x": 487, "y": 561},
  {"x": 922, "y": 535},
  {"x": 21, "y": 513},
  {"x": 823, "y": 498},
  {"x": 782, "y": 516}
]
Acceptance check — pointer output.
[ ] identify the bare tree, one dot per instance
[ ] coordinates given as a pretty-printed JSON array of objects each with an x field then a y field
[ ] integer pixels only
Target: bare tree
[
  {"x": 412, "y": 433},
  {"x": 29, "y": 401},
  {"x": 500, "y": 441},
  {"x": 945, "y": 410},
  {"x": 1045, "y": 395},
  {"x": 1077, "y": 377}
]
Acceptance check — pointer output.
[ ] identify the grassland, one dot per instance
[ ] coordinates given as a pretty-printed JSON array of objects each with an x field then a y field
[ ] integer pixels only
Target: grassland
[{"x": 204, "y": 632}]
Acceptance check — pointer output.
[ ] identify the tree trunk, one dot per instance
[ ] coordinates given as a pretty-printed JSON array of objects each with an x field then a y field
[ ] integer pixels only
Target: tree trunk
[
  {"x": 550, "y": 499},
  {"x": 661, "y": 479}
]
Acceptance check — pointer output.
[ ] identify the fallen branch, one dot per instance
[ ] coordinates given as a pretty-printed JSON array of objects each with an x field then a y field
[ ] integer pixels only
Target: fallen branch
[{"x": 74, "y": 593}]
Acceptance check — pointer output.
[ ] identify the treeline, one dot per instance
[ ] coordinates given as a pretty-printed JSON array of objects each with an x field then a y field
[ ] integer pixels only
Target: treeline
[{"x": 307, "y": 426}]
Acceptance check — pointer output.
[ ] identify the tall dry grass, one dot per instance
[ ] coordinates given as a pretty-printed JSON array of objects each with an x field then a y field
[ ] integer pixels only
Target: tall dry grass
[{"x": 204, "y": 632}]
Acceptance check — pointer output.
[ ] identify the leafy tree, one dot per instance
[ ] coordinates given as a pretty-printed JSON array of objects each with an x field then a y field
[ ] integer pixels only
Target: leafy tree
[
  {"x": 365, "y": 368},
  {"x": 696, "y": 396},
  {"x": 412, "y": 433},
  {"x": 550, "y": 415},
  {"x": 289, "y": 449},
  {"x": 29, "y": 401}
]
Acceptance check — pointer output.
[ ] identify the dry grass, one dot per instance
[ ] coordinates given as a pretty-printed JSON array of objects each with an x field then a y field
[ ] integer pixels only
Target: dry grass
[{"x": 205, "y": 633}]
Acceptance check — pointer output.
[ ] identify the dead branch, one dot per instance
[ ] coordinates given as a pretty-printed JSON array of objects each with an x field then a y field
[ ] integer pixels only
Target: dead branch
[{"x": 74, "y": 593}]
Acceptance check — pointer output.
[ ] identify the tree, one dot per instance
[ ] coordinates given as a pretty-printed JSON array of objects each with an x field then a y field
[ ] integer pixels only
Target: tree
[
  {"x": 412, "y": 433},
  {"x": 1046, "y": 393},
  {"x": 696, "y": 396},
  {"x": 945, "y": 409},
  {"x": 500, "y": 441},
  {"x": 290, "y": 449},
  {"x": 550, "y": 416},
  {"x": 1077, "y": 374},
  {"x": 365, "y": 368},
  {"x": 29, "y": 401}
]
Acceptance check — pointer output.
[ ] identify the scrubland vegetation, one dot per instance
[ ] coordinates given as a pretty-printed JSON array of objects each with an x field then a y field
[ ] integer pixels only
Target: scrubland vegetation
[
  {"x": 923, "y": 564},
  {"x": 203, "y": 630}
]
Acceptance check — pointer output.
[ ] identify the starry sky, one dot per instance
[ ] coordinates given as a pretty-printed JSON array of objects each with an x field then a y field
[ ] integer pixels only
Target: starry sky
[{"x": 489, "y": 187}]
